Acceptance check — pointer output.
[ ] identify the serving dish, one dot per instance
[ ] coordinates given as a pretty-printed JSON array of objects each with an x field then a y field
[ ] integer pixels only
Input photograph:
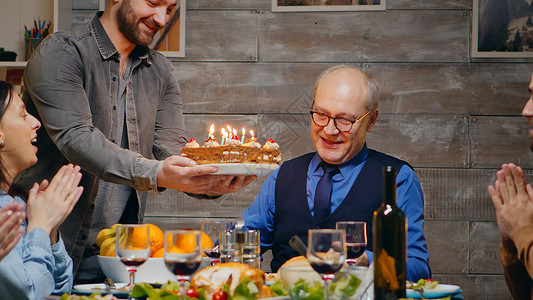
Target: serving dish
[
  {"x": 153, "y": 270},
  {"x": 88, "y": 289},
  {"x": 244, "y": 169},
  {"x": 441, "y": 290}
]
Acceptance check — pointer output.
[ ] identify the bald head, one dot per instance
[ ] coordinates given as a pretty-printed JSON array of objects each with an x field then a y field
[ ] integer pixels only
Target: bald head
[{"x": 350, "y": 78}]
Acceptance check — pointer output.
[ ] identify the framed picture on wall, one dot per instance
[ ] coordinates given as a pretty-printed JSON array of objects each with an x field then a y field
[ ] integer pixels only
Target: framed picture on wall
[
  {"x": 502, "y": 28},
  {"x": 170, "y": 40},
  {"x": 327, "y": 5}
]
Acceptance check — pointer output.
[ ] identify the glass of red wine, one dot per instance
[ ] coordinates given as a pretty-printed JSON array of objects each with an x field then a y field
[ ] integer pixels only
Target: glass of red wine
[
  {"x": 133, "y": 247},
  {"x": 211, "y": 246},
  {"x": 355, "y": 239},
  {"x": 326, "y": 251},
  {"x": 183, "y": 254}
]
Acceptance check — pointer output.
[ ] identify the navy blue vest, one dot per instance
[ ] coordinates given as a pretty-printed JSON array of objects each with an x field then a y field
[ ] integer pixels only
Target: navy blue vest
[{"x": 293, "y": 217}]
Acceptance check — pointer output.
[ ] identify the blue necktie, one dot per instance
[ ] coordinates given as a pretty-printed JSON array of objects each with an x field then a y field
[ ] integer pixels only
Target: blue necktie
[{"x": 323, "y": 192}]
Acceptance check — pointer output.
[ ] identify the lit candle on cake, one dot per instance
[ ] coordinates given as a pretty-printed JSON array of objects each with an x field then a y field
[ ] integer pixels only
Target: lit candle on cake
[
  {"x": 230, "y": 132},
  {"x": 243, "y": 134},
  {"x": 211, "y": 131},
  {"x": 252, "y": 134},
  {"x": 224, "y": 136}
]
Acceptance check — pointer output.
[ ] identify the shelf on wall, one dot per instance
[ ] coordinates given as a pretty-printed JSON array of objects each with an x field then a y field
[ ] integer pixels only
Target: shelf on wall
[{"x": 13, "y": 64}]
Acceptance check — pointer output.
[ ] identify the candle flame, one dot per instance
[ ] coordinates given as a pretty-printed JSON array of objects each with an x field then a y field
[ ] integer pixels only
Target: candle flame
[
  {"x": 224, "y": 132},
  {"x": 229, "y": 129},
  {"x": 252, "y": 133},
  {"x": 234, "y": 131},
  {"x": 212, "y": 129}
]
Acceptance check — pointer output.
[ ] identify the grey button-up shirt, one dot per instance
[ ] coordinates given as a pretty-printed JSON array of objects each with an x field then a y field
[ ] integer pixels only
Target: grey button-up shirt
[{"x": 71, "y": 84}]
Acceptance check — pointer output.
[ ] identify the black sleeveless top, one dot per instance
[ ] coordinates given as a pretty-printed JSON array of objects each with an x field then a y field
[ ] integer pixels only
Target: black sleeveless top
[{"x": 293, "y": 217}]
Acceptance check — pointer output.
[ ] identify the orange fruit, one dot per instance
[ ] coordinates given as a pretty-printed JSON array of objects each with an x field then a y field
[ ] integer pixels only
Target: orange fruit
[
  {"x": 135, "y": 248},
  {"x": 186, "y": 242},
  {"x": 159, "y": 253},
  {"x": 157, "y": 238},
  {"x": 207, "y": 243},
  {"x": 177, "y": 250}
]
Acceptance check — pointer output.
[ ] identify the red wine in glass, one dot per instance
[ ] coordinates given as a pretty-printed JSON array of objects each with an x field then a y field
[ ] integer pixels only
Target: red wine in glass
[
  {"x": 132, "y": 262},
  {"x": 325, "y": 268},
  {"x": 182, "y": 268},
  {"x": 212, "y": 253},
  {"x": 355, "y": 250}
]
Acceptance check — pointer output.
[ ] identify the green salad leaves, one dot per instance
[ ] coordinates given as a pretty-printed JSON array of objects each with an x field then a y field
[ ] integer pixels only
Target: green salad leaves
[{"x": 341, "y": 289}]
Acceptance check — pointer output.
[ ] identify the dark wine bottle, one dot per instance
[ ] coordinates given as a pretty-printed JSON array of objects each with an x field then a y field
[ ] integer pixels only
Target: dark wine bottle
[{"x": 390, "y": 232}]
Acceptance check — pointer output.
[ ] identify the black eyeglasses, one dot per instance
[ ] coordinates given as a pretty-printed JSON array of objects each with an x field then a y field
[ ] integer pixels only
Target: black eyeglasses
[{"x": 342, "y": 124}]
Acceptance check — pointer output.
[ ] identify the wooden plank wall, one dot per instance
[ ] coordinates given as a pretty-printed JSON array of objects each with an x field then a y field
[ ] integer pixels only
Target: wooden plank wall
[{"x": 456, "y": 119}]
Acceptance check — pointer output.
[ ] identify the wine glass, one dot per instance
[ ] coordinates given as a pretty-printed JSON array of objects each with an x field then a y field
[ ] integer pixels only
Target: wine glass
[
  {"x": 211, "y": 247},
  {"x": 183, "y": 254},
  {"x": 133, "y": 247},
  {"x": 355, "y": 239},
  {"x": 326, "y": 251}
]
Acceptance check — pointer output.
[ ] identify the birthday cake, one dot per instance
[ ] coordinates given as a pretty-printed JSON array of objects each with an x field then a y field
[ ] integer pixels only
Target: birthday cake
[{"x": 232, "y": 150}]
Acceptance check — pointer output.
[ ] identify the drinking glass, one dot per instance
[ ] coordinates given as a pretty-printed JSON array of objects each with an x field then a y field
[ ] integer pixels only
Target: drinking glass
[
  {"x": 355, "y": 239},
  {"x": 326, "y": 251},
  {"x": 212, "y": 229},
  {"x": 251, "y": 248},
  {"x": 133, "y": 247},
  {"x": 230, "y": 250},
  {"x": 183, "y": 254}
]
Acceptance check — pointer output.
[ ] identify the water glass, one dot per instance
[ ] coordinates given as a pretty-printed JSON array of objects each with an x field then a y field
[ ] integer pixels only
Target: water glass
[
  {"x": 251, "y": 248},
  {"x": 230, "y": 248}
]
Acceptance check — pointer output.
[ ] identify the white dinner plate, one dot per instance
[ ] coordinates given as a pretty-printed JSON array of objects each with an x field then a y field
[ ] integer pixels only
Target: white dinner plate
[
  {"x": 88, "y": 289},
  {"x": 244, "y": 169},
  {"x": 441, "y": 290}
]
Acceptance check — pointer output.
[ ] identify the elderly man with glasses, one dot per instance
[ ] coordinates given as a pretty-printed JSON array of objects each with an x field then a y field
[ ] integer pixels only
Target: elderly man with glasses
[{"x": 342, "y": 180}]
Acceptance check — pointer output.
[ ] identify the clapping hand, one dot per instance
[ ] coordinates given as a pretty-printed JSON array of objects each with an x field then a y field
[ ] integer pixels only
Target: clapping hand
[
  {"x": 11, "y": 217},
  {"x": 513, "y": 199},
  {"x": 49, "y": 204}
]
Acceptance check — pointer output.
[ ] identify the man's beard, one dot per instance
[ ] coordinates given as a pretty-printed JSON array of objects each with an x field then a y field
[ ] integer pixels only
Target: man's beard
[{"x": 128, "y": 24}]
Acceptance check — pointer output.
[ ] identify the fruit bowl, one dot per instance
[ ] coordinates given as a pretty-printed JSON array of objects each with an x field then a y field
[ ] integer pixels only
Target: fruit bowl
[{"x": 153, "y": 270}]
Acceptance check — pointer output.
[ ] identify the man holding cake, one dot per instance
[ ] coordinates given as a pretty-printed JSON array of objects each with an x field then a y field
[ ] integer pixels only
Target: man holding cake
[
  {"x": 345, "y": 108},
  {"x": 112, "y": 105}
]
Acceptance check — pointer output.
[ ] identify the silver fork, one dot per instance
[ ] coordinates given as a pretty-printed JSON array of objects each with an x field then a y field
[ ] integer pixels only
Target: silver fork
[{"x": 420, "y": 291}]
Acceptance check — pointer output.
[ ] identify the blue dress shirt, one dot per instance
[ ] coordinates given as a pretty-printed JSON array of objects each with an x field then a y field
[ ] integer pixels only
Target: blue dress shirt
[
  {"x": 34, "y": 268},
  {"x": 260, "y": 215}
]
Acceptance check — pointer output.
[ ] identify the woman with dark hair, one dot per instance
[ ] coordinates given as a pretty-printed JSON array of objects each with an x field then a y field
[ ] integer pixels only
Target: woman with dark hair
[{"x": 39, "y": 264}]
